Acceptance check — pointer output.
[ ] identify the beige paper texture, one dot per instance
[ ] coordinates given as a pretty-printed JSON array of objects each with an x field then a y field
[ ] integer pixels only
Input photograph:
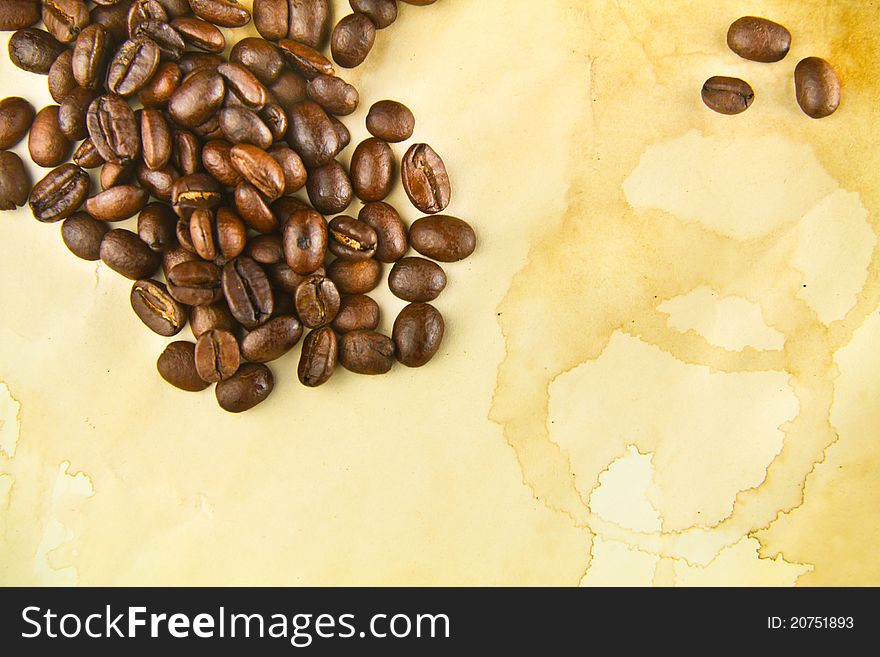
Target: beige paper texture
[{"x": 659, "y": 365}]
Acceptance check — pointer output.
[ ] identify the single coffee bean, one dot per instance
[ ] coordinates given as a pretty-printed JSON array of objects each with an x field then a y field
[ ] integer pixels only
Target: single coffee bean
[
  {"x": 260, "y": 57},
  {"x": 372, "y": 170},
  {"x": 156, "y": 308},
  {"x": 72, "y": 113},
  {"x": 382, "y": 12},
  {"x": 309, "y": 22},
  {"x": 306, "y": 61},
  {"x": 247, "y": 291},
  {"x": 249, "y": 386},
  {"x": 90, "y": 56},
  {"x": 156, "y": 141},
  {"x": 113, "y": 174},
  {"x": 113, "y": 129},
  {"x": 390, "y": 121},
  {"x": 211, "y": 316},
  {"x": 34, "y": 50},
  {"x": 425, "y": 179},
  {"x": 218, "y": 163},
  {"x": 195, "y": 282},
  {"x": 198, "y": 190},
  {"x": 351, "y": 239},
  {"x": 366, "y": 352},
  {"x": 142, "y": 11},
  {"x": 758, "y": 39},
  {"x": 177, "y": 365},
  {"x": 391, "y": 240},
  {"x": 253, "y": 208},
  {"x": 275, "y": 118},
  {"x": 357, "y": 311},
  {"x": 817, "y": 87},
  {"x": 270, "y": 18},
  {"x": 292, "y": 167},
  {"x": 441, "y": 237},
  {"x": 117, "y": 203},
  {"x": 272, "y": 340},
  {"x": 133, "y": 66},
  {"x": 352, "y": 39},
  {"x": 329, "y": 188},
  {"x": 127, "y": 254},
  {"x": 417, "y": 334},
  {"x": 159, "y": 182},
  {"x": 355, "y": 276},
  {"x": 65, "y": 18},
  {"x": 114, "y": 19},
  {"x": 333, "y": 94},
  {"x": 18, "y": 14},
  {"x": 60, "y": 193},
  {"x": 197, "y": 98},
  {"x": 305, "y": 241},
  {"x": 175, "y": 256},
  {"x": 47, "y": 145},
  {"x": 317, "y": 301},
  {"x": 317, "y": 361},
  {"x": 200, "y": 34},
  {"x": 240, "y": 125},
  {"x": 265, "y": 249},
  {"x": 161, "y": 87},
  {"x": 155, "y": 226},
  {"x": 217, "y": 355},
  {"x": 15, "y": 183},
  {"x": 416, "y": 279},
  {"x": 244, "y": 84},
  {"x": 82, "y": 234},
  {"x": 225, "y": 13},
  {"x": 186, "y": 152},
  {"x": 87, "y": 156},
  {"x": 61, "y": 80},
  {"x": 289, "y": 89},
  {"x": 727, "y": 95},
  {"x": 312, "y": 134},
  {"x": 259, "y": 168}
]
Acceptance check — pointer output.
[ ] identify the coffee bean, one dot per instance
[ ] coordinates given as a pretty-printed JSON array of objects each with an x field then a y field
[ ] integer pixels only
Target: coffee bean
[
  {"x": 305, "y": 241},
  {"x": 90, "y": 56},
  {"x": 82, "y": 234},
  {"x": 352, "y": 39},
  {"x": 366, "y": 352},
  {"x": 240, "y": 125},
  {"x": 270, "y": 18},
  {"x": 159, "y": 182},
  {"x": 155, "y": 139},
  {"x": 272, "y": 340},
  {"x": 182, "y": 231},
  {"x": 382, "y": 12},
  {"x": 391, "y": 239},
  {"x": 306, "y": 61},
  {"x": 247, "y": 291},
  {"x": 61, "y": 80},
  {"x": 155, "y": 226},
  {"x": 312, "y": 134},
  {"x": 342, "y": 134},
  {"x": 817, "y": 87},
  {"x": 317, "y": 361},
  {"x": 265, "y": 249},
  {"x": 225, "y": 13},
  {"x": 113, "y": 129},
  {"x": 156, "y": 308},
  {"x": 217, "y": 355},
  {"x": 357, "y": 311},
  {"x": 355, "y": 276},
  {"x": 292, "y": 167},
  {"x": 727, "y": 95},
  {"x": 117, "y": 203},
  {"x": 200, "y": 34},
  {"x": 253, "y": 208},
  {"x": 211, "y": 316},
  {"x": 758, "y": 39},
  {"x": 34, "y": 50},
  {"x": 249, "y": 386},
  {"x": 195, "y": 282},
  {"x": 72, "y": 113},
  {"x": 173, "y": 257},
  {"x": 306, "y": 21},
  {"x": 275, "y": 118},
  {"x": 244, "y": 84},
  {"x": 259, "y": 168},
  {"x": 441, "y": 237},
  {"x": 65, "y": 18},
  {"x": 417, "y": 334},
  {"x": 47, "y": 145},
  {"x": 329, "y": 188},
  {"x": 15, "y": 183},
  {"x": 351, "y": 239},
  {"x": 197, "y": 98},
  {"x": 197, "y": 190},
  {"x": 127, "y": 254},
  {"x": 222, "y": 236},
  {"x": 87, "y": 156},
  {"x": 260, "y": 57},
  {"x": 390, "y": 121},
  {"x": 289, "y": 89},
  {"x": 113, "y": 174},
  {"x": 317, "y": 301},
  {"x": 372, "y": 170},
  {"x": 114, "y": 19},
  {"x": 186, "y": 152},
  {"x": 333, "y": 94},
  {"x": 161, "y": 87},
  {"x": 60, "y": 193},
  {"x": 133, "y": 66},
  {"x": 217, "y": 162},
  {"x": 142, "y": 11},
  {"x": 177, "y": 365},
  {"x": 425, "y": 179},
  {"x": 416, "y": 279},
  {"x": 18, "y": 14}
]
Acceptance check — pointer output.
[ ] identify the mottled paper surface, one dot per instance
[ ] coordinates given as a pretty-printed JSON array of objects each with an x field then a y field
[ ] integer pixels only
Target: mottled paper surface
[{"x": 659, "y": 365}]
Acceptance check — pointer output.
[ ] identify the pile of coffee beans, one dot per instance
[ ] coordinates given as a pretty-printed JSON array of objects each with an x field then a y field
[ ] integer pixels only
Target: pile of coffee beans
[
  {"x": 207, "y": 152},
  {"x": 817, "y": 87}
]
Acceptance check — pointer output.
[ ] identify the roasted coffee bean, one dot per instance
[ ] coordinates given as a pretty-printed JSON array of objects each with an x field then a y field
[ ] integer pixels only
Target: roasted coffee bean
[
  {"x": 114, "y": 18},
  {"x": 272, "y": 340},
  {"x": 265, "y": 249},
  {"x": 170, "y": 43},
  {"x": 155, "y": 226},
  {"x": 306, "y": 21},
  {"x": 240, "y": 125},
  {"x": 183, "y": 233},
  {"x": 15, "y": 183},
  {"x": 160, "y": 182},
  {"x": 155, "y": 139},
  {"x": 225, "y": 13},
  {"x": 372, "y": 170},
  {"x": 18, "y": 14},
  {"x": 72, "y": 113},
  {"x": 305, "y": 241},
  {"x": 60, "y": 193},
  {"x": 333, "y": 94},
  {"x": 186, "y": 153},
  {"x": 382, "y": 12},
  {"x": 224, "y": 235},
  {"x": 817, "y": 87},
  {"x": 317, "y": 301},
  {"x": 16, "y": 116},
  {"x": 425, "y": 179},
  {"x": 87, "y": 156},
  {"x": 444, "y": 238},
  {"x": 217, "y": 355},
  {"x": 270, "y": 18},
  {"x": 253, "y": 208},
  {"x": 289, "y": 89},
  {"x": 355, "y": 276},
  {"x": 416, "y": 279},
  {"x": 117, "y": 203},
  {"x": 312, "y": 134},
  {"x": 197, "y": 98},
  {"x": 727, "y": 95},
  {"x": 317, "y": 361},
  {"x": 113, "y": 174},
  {"x": 195, "y": 282},
  {"x": 342, "y": 134},
  {"x": 390, "y": 121},
  {"x": 82, "y": 234},
  {"x": 329, "y": 188},
  {"x": 61, "y": 80},
  {"x": 352, "y": 39},
  {"x": 417, "y": 334},
  {"x": 177, "y": 365},
  {"x": 305, "y": 60},
  {"x": 292, "y": 167},
  {"x": 133, "y": 66},
  {"x": 357, "y": 311},
  {"x": 65, "y": 18},
  {"x": 351, "y": 239},
  {"x": 47, "y": 145},
  {"x": 391, "y": 240},
  {"x": 144, "y": 10},
  {"x": 244, "y": 84},
  {"x": 260, "y": 57},
  {"x": 90, "y": 56},
  {"x": 366, "y": 352},
  {"x": 211, "y": 316},
  {"x": 162, "y": 86},
  {"x": 156, "y": 308},
  {"x": 127, "y": 254},
  {"x": 197, "y": 190},
  {"x": 758, "y": 39},
  {"x": 175, "y": 256},
  {"x": 247, "y": 291},
  {"x": 217, "y": 162},
  {"x": 249, "y": 386},
  {"x": 259, "y": 168},
  {"x": 34, "y": 50},
  {"x": 113, "y": 129},
  {"x": 200, "y": 34},
  {"x": 275, "y": 118},
  {"x": 191, "y": 62}
]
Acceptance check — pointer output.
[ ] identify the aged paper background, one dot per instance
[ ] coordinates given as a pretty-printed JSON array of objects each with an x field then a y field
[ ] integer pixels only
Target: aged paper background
[{"x": 660, "y": 364}]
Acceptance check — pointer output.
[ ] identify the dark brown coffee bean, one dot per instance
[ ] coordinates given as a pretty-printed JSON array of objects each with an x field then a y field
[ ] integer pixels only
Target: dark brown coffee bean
[
  {"x": 82, "y": 234},
  {"x": 156, "y": 308},
  {"x": 240, "y": 125},
  {"x": 175, "y": 256},
  {"x": 311, "y": 134},
  {"x": 333, "y": 94},
  {"x": 317, "y": 361},
  {"x": 259, "y": 168},
  {"x": 114, "y": 18},
  {"x": 817, "y": 87},
  {"x": 113, "y": 174},
  {"x": 190, "y": 62},
  {"x": 225, "y": 13},
  {"x": 390, "y": 121},
  {"x": 162, "y": 86},
  {"x": 195, "y": 282},
  {"x": 317, "y": 301},
  {"x": 355, "y": 276},
  {"x": 197, "y": 190},
  {"x": 416, "y": 279},
  {"x": 372, "y": 170},
  {"x": 155, "y": 225},
  {"x": 159, "y": 182},
  {"x": 142, "y": 11},
  {"x": 47, "y": 145},
  {"x": 113, "y": 129},
  {"x": 200, "y": 34},
  {"x": 270, "y": 18},
  {"x": 305, "y": 60},
  {"x": 217, "y": 162},
  {"x": 155, "y": 139},
  {"x": 265, "y": 249},
  {"x": 417, "y": 334},
  {"x": 90, "y": 56},
  {"x": 292, "y": 167},
  {"x": 272, "y": 340},
  {"x": 758, "y": 39},
  {"x": 305, "y": 241},
  {"x": 244, "y": 84},
  {"x": 65, "y": 18},
  {"x": 275, "y": 118},
  {"x": 425, "y": 179},
  {"x": 329, "y": 188},
  {"x": 169, "y": 41},
  {"x": 18, "y": 14},
  {"x": 133, "y": 66},
  {"x": 127, "y": 254},
  {"x": 209, "y": 317},
  {"x": 366, "y": 352},
  {"x": 352, "y": 39},
  {"x": 289, "y": 89},
  {"x": 186, "y": 153},
  {"x": 15, "y": 183},
  {"x": 444, "y": 238},
  {"x": 351, "y": 239},
  {"x": 197, "y": 98},
  {"x": 253, "y": 208},
  {"x": 202, "y": 233},
  {"x": 87, "y": 156},
  {"x": 217, "y": 355},
  {"x": 72, "y": 113},
  {"x": 247, "y": 291},
  {"x": 306, "y": 21},
  {"x": 34, "y": 50},
  {"x": 249, "y": 386},
  {"x": 391, "y": 240},
  {"x": 60, "y": 193},
  {"x": 177, "y": 365},
  {"x": 260, "y": 57},
  {"x": 117, "y": 203},
  {"x": 357, "y": 311},
  {"x": 61, "y": 80},
  {"x": 727, "y": 95},
  {"x": 183, "y": 233},
  {"x": 382, "y": 12}
]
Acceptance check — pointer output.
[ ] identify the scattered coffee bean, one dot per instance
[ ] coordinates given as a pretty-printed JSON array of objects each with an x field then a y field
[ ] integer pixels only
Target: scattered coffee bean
[
  {"x": 200, "y": 34},
  {"x": 247, "y": 291},
  {"x": 194, "y": 282},
  {"x": 249, "y": 386},
  {"x": 197, "y": 98},
  {"x": 425, "y": 179},
  {"x": 161, "y": 87},
  {"x": 82, "y": 234},
  {"x": 259, "y": 168},
  {"x": 357, "y": 311},
  {"x": 817, "y": 87},
  {"x": 156, "y": 140},
  {"x": 18, "y": 14},
  {"x": 382, "y": 12},
  {"x": 156, "y": 308},
  {"x": 60, "y": 193},
  {"x": 329, "y": 188},
  {"x": 177, "y": 365},
  {"x": 253, "y": 208},
  {"x": 366, "y": 352},
  {"x": 758, "y": 39},
  {"x": 65, "y": 18},
  {"x": 155, "y": 226},
  {"x": 441, "y": 237},
  {"x": 15, "y": 184},
  {"x": 113, "y": 129},
  {"x": 61, "y": 81},
  {"x": 372, "y": 170},
  {"x": 355, "y": 276},
  {"x": 417, "y": 334},
  {"x": 312, "y": 134},
  {"x": 127, "y": 254},
  {"x": 317, "y": 301},
  {"x": 306, "y": 61},
  {"x": 351, "y": 239},
  {"x": 333, "y": 94},
  {"x": 240, "y": 125},
  {"x": 260, "y": 57},
  {"x": 391, "y": 240},
  {"x": 292, "y": 167},
  {"x": 117, "y": 203},
  {"x": 47, "y": 145},
  {"x": 72, "y": 114},
  {"x": 87, "y": 156},
  {"x": 305, "y": 240},
  {"x": 16, "y": 117},
  {"x": 211, "y": 316},
  {"x": 217, "y": 355},
  {"x": 727, "y": 95},
  {"x": 34, "y": 50},
  {"x": 225, "y": 13},
  {"x": 90, "y": 56},
  {"x": 317, "y": 361},
  {"x": 416, "y": 279},
  {"x": 352, "y": 39},
  {"x": 272, "y": 340},
  {"x": 390, "y": 121}
]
